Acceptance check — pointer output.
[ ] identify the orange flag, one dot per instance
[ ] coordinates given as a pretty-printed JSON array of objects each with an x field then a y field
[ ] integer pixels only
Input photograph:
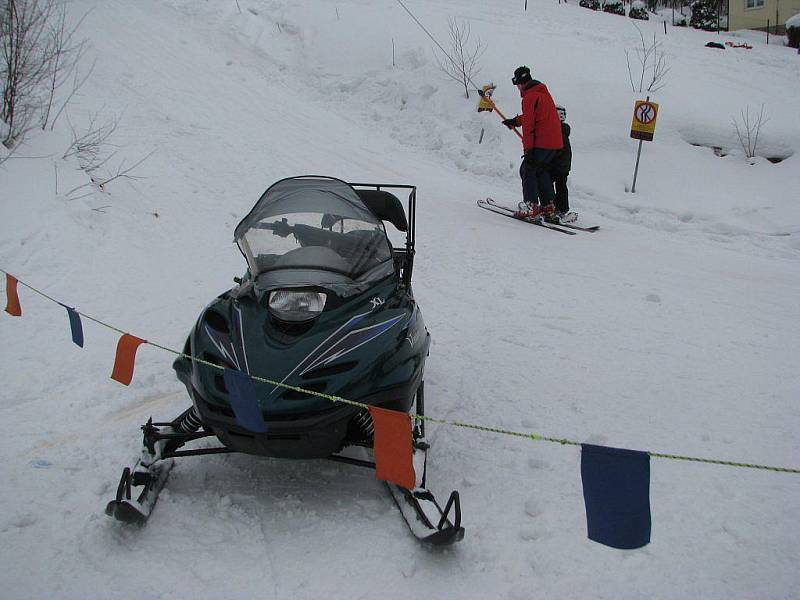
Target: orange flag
[
  {"x": 126, "y": 355},
  {"x": 393, "y": 451},
  {"x": 12, "y": 305}
]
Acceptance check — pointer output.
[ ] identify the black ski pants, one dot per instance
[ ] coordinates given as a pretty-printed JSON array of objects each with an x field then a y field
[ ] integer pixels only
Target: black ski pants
[
  {"x": 562, "y": 193},
  {"x": 537, "y": 185}
]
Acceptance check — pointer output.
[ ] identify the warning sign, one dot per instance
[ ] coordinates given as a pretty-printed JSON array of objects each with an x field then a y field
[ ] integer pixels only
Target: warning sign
[
  {"x": 643, "y": 125},
  {"x": 486, "y": 98}
]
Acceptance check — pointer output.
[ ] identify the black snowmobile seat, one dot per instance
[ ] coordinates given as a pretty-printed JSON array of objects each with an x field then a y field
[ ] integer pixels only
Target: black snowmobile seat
[{"x": 385, "y": 206}]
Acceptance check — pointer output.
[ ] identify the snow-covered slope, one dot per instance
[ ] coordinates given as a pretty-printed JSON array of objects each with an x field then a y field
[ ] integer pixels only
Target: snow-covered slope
[{"x": 673, "y": 329}]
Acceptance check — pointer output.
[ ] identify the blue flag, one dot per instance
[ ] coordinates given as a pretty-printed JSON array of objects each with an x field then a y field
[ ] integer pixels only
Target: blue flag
[
  {"x": 242, "y": 394},
  {"x": 75, "y": 325},
  {"x": 616, "y": 490}
]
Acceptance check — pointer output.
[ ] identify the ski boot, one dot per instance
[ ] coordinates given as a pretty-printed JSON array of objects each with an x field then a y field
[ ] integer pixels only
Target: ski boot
[
  {"x": 564, "y": 217},
  {"x": 534, "y": 212}
]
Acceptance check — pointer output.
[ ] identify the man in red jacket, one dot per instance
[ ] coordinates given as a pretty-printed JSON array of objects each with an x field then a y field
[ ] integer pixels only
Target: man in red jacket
[{"x": 541, "y": 141}]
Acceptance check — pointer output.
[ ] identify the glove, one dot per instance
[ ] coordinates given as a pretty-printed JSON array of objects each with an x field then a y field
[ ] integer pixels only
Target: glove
[
  {"x": 481, "y": 93},
  {"x": 510, "y": 123}
]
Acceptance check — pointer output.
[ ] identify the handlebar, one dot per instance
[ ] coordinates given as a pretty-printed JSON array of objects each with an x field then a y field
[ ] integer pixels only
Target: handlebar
[{"x": 281, "y": 228}]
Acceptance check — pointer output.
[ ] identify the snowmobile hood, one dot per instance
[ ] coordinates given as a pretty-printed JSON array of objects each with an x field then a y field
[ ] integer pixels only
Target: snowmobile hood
[{"x": 314, "y": 231}]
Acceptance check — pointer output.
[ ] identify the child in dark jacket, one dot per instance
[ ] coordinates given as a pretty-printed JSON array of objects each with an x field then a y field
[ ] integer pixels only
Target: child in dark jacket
[{"x": 559, "y": 170}]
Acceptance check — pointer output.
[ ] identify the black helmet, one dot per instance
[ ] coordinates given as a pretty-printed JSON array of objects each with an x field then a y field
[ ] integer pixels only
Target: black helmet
[{"x": 522, "y": 75}]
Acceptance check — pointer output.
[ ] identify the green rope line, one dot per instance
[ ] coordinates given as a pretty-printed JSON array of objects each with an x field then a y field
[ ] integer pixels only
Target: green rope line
[
  {"x": 727, "y": 463},
  {"x": 497, "y": 430}
]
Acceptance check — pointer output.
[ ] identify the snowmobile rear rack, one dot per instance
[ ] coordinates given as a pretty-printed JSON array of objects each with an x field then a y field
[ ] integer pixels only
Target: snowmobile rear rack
[{"x": 404, "y": 257}]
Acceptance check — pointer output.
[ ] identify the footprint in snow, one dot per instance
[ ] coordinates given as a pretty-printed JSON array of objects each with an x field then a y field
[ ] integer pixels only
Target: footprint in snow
[
  {"x": 529, "y": 533},
  {"x": 468, "y": 481},
  {"x": 536, "y": 464},
  {"x": 21, "y": 521},
  {"x": 532, "y": 508}
]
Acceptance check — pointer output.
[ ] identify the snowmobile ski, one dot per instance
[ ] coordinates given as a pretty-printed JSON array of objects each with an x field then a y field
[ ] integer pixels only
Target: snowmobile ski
[
  {"x": 426, "y": 519},
  {"x": 489, "y": 204},
  {"x": 139, "y": 486},
  {"x": 422, "y": 513},
  {"x": 136, "y": 509}
]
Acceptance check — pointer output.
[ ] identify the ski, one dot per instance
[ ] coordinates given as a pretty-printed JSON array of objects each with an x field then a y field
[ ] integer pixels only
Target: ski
[
  {"x": 591, "y": 229},
  {"x": 425, "y": 518},
  {"x": 428, "y": 522},
  {"x": 568, "y": 225},
  {"x": 131, "y": 508},
  {"x": 139, "y": 486},
  {"x": 489, "y": 205}
]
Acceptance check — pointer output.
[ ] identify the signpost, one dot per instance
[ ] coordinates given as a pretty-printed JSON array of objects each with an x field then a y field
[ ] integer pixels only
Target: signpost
[{"x": 643, "y": 127}]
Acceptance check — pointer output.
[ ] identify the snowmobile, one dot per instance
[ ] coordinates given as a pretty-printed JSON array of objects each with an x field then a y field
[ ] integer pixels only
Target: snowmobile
[{"x": 325, "y": 310}]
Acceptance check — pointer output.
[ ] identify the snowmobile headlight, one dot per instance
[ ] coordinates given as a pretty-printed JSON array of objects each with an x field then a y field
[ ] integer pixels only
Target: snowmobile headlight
[{"x": 288, "y": 305}]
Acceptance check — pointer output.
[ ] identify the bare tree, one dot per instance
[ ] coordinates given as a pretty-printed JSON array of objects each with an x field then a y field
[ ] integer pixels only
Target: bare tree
[
  {"x": 26, "y": 49},
  {"x": 94, "y": 150},
  {"x": 91, "y": 148},
  {"x": 5, "y": 154},
  {"x": 462, "y": 62},
  {"x": 66, "y": 54},
  {"x": 653, "y": 65},
  {"x": 78, "y": 80},
  {"x": 749, "y": 130},
  {"x": 121, "y": 172},
  {"x": 38, "y": 53}
]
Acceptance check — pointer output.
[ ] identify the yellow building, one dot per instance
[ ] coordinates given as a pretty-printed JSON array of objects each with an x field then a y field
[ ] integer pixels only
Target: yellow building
[{"x": 758, "y": 14}]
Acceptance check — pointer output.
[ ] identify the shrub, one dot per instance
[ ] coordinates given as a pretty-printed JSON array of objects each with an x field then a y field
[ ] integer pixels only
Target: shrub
[
  {"x": 639, "y": 12},
  {"x": 749, "y": 130},
  {"x": 793, "y": 33},
  {"x": 593, "y": 4},
  {"x": 704, "y": 15},
  {"x": 614, "y": 7}
]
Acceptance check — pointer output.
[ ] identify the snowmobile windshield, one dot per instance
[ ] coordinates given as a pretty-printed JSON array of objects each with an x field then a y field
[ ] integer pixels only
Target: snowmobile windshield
[{"x": 317, "y": 226}]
